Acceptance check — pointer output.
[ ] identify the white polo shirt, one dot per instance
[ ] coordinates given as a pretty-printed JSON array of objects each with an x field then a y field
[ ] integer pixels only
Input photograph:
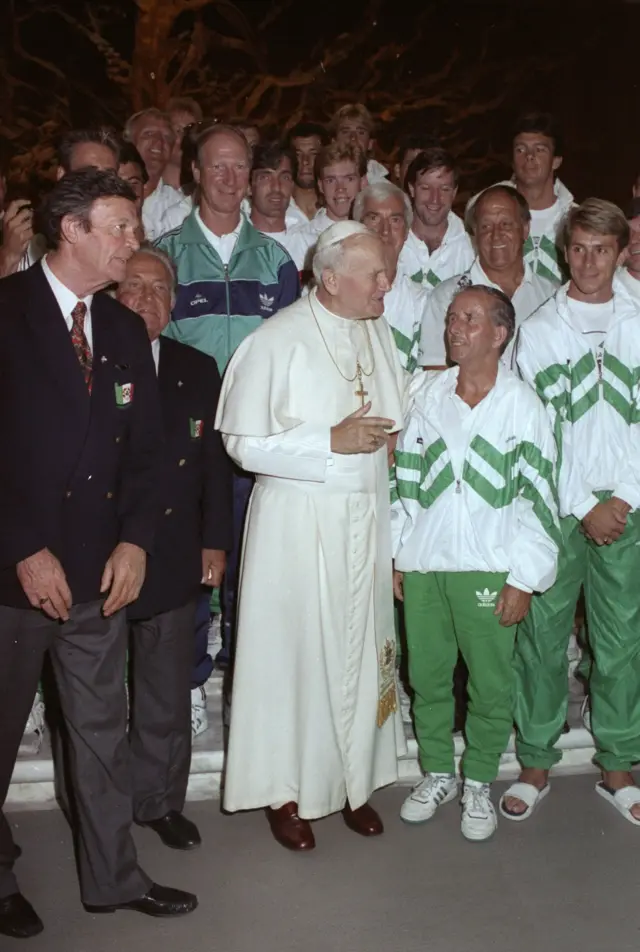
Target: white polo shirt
[
  {"x": 533, "y": 292},
  {"x": 154, "y": 207},
  {"x": 67, "y": 300}
]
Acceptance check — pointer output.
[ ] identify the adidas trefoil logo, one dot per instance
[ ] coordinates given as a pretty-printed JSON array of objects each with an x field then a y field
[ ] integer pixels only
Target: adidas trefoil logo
[
  {"x": 266, "y": 302},
  {"x": 486, "y": 599},
  {"x": 198, "y": 299}
]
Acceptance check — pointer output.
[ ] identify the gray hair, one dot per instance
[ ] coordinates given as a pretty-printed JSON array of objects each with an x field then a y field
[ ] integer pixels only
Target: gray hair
[
  {"x": 382, "y": 192},
  {"x": 151, "y": 250},
  {"x": 330, "y": 248},
  {"x": 501, "y": 310},
  {"x": 132, "y": 121}
]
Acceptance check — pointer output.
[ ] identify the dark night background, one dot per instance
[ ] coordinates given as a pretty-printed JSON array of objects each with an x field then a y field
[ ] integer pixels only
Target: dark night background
[{"x": 463, "y": 69}]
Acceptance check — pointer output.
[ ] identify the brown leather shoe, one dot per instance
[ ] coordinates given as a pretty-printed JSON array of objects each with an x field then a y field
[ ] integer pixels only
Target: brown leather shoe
[
  {"x": 364, "y": 820},
  {"x": 289, "y": 830}
]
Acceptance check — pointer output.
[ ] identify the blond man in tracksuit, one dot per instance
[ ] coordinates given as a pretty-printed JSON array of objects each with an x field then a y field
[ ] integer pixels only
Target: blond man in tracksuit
[{"x": 581, "y": 353}]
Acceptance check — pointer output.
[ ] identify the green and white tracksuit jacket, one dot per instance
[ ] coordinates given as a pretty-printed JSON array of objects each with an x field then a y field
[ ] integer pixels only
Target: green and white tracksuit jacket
[
  {"x": 592, "y": 401},
  {"x": 478, "y": 497},
  {"x": 454, "y": 256},
  {"x": 542, "y": 251},
  {"x": 404, "y": 309}
]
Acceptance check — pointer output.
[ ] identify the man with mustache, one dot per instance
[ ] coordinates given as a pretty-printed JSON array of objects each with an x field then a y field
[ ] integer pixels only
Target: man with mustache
[{"x": 272, "y": 178}]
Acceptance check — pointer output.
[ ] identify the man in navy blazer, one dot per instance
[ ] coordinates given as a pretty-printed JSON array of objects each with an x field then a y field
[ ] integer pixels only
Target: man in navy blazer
[
  {"x": 81, "y": 436},
  {"x": 194, "y": 532}
]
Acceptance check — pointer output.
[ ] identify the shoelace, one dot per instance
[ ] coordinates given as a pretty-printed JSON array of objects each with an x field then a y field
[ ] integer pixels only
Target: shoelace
[
  {"x": 431, "y": 787},
  {"x": 480, "y": 803}
]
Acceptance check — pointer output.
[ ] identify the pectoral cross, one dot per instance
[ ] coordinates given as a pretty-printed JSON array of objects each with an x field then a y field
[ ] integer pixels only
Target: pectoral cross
[{"x": 360, "y": 392}]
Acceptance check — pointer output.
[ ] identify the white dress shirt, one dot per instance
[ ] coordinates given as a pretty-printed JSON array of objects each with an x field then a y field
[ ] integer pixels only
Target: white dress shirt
[
  {"x": 154, "y": 207},
  {"x": 155, "y": 351},
  {"x": 67, "y": 300}
]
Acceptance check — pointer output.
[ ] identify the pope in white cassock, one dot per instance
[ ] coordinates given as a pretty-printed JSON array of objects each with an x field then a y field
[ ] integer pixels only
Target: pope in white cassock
[{"x": 308, "y": 404}]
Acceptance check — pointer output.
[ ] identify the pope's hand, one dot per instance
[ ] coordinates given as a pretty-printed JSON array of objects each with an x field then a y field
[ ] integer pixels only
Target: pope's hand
[{"x": 358, "y": 433}]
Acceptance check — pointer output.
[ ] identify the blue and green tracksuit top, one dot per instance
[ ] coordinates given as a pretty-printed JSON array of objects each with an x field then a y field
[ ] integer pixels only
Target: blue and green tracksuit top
[{"x": 218, "y": 305}]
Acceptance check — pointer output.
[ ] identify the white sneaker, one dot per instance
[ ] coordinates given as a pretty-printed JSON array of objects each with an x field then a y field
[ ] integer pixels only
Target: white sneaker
[
  {"x": 479, "y": 820},
  {"x": 405, "y": 702},
  {"x": 199, "y": 719},
  {"x": 214, "y": 637},
  {"x": 34, "y": 730},
  {"x": 427, "y": 796}
]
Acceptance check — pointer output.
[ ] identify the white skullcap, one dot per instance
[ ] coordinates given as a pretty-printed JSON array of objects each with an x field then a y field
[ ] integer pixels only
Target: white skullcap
[{"x": 338, "y": 232}]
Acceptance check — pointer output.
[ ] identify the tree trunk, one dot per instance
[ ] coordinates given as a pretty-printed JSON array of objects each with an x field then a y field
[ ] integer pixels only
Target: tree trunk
[{"x": 154, "y": 24}]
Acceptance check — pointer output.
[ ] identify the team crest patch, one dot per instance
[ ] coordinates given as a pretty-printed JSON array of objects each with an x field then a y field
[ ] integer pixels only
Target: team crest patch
[
  {"x": 124, "y": 394},
  {"x": 195, "y": 428}
]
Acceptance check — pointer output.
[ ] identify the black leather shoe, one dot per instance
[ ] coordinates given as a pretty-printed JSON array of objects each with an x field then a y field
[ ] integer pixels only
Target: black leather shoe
[
  {"x": 160, "y": 901},
  {"x": 175, "y": 831},
  {"x": 18, "y": 918}
]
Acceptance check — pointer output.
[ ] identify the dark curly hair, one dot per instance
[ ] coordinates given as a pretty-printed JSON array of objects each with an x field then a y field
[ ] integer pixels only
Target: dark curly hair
[{"x": 74, "y": 194}]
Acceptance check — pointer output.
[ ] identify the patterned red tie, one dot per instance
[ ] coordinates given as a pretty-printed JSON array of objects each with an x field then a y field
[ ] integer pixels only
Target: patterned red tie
[{"x": 81, "y": 344}]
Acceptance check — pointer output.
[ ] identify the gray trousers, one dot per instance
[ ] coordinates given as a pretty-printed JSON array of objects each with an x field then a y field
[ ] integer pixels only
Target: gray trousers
[
  {"x": 88, "y": 656},
  {"x": 160, "y": 729}
]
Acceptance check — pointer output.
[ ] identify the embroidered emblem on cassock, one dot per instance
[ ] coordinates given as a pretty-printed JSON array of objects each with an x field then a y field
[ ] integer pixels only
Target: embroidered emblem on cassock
[{"x": 388, "y": 700}]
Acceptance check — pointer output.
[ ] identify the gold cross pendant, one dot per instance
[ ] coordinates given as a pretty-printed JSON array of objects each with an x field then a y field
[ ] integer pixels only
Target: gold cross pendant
[{"x": 360, "y": 392}]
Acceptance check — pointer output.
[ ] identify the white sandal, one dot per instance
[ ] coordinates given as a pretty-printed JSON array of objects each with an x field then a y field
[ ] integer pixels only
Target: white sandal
[
  {"x": 528, "y": 794},
  {"x": 622, "y": 800}
]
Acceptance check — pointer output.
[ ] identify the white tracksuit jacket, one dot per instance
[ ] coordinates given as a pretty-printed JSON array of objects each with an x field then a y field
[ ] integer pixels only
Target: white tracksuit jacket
[
  {"x": 593, "y": 406},
  {"x": 485, "y": 504}
]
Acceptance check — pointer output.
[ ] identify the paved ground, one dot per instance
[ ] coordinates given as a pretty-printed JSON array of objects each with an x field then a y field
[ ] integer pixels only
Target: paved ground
[{"x": 567, "y": 880}]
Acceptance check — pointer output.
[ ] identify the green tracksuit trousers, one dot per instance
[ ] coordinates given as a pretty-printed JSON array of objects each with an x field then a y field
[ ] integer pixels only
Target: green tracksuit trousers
[
  {"x": 611, "y": 576},
  {"x": 444, "y": 612}
]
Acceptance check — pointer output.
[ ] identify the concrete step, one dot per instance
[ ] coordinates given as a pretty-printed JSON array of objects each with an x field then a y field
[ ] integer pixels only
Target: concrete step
[{"x": 32, "y": 782}]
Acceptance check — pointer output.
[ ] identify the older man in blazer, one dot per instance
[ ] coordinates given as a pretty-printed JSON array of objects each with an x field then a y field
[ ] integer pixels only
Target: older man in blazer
[
  {"x": 194, "y": 533},
  {"x": 81, "y": 434}
]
